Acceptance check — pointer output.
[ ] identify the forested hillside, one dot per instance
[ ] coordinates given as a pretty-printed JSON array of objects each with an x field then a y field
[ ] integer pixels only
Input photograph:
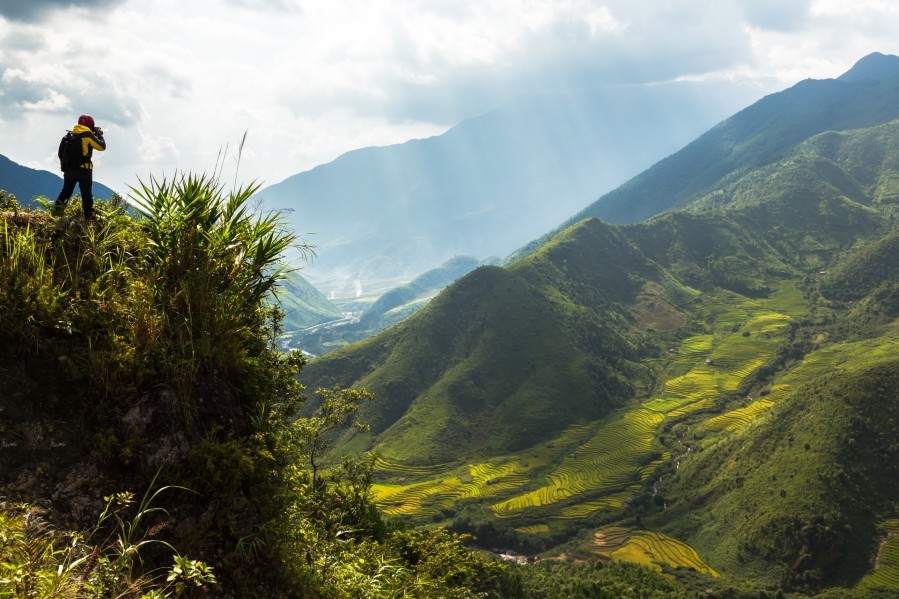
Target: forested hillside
[{"x": 709, "y": 390}]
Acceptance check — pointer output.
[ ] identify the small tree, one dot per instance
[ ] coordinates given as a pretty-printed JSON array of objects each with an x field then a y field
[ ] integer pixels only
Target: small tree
[{"x": 337, "y": 408}]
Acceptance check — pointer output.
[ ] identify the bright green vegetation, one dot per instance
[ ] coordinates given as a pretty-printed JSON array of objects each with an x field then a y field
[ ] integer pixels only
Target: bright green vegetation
[
  {"x": 651, "y": 549},
  {"x": 142, "y": 354},
  {"x": 886, "y": 566},
  {"x": 721, "y": 377}
]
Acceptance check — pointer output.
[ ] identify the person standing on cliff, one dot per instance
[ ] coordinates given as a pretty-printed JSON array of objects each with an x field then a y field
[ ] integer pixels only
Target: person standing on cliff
[{"x": 79, "y": 168}]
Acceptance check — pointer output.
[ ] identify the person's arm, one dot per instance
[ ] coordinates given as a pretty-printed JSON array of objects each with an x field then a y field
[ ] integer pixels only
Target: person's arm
[{"x": 95, "y": 140}]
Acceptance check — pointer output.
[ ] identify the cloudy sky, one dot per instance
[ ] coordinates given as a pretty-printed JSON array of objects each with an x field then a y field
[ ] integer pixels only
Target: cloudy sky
[{"x": 173, "y": 82}]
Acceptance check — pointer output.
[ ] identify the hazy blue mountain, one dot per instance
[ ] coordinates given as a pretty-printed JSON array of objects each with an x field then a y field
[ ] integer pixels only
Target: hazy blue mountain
[
  {"x": 304, "y": 306},
  {"x": 763, "y": 133},
  {"x": 492, "y": 182},
  {"x": 25, "y": 182}
]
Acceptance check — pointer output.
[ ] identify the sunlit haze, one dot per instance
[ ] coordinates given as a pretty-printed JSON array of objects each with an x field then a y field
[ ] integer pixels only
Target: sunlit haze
[{"x": 172, "y": 83}]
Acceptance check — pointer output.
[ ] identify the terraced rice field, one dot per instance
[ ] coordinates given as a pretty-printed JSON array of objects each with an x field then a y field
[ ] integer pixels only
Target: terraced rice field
[
  {"x": 604, "y": 463},
  {"x": 488, "y": 479},
  {"x": 402, "y": 470},
  {"x": 886, "y": 573},
  {"x": 692, "y": 349},
  {"x": 426, "y": 497},
  {"x": 534, "y": 529},
  {"x": 420, "y": 499},
  {"x": 733, "y": 358},
  {"x": 651, "y": 549},
  {"x": 607, "y": 462},
  {"x": 788, "y": 299},
  {"x": 439, "y": 486},
  {"x": 814, "y": 365},
  {"x": 833, "y": 357},
  {"x": 738, "y": 418}
]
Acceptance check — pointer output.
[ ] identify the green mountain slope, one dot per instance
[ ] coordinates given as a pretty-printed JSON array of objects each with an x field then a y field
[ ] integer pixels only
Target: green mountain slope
[
  {"x": 763, "y": 133},
  {"x": 461, "y": 374},
  {"x": 710, "y": 389}
]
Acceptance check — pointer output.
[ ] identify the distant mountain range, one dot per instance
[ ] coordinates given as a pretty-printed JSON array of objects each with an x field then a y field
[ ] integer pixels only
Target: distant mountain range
[
  {"x": 761, "y": 134},
  {"x": 25, "y": 182},
  {"x": 489, "y": 184},
  {"x": 714, "y": 388},
  {"x": 758, "y": 135},
  {"x": 388, "y": 309}
]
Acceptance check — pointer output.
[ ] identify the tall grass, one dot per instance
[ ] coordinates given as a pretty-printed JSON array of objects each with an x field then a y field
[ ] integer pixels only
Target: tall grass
[
  {"x": 210, "y": 262},
  {"x": 28, "y": 292},
  {"x": 167, "y": 298}
]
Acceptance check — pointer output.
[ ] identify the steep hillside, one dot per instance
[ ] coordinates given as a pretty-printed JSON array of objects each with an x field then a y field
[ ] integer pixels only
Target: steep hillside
[
  {"x": 763, "y": 133},
  {"x": 506, "y": 358},
  {"x": 388, "y": 309},
  {"x": 25, "y": 183},
  {"x": 481, "y": 189},
  {"x": 752, "y": 340}
]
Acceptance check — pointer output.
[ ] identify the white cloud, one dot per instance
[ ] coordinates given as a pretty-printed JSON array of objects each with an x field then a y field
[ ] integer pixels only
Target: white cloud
[
  {"x": 777, "y": 15},
  {"x": 157, "y": 148},
  {"x": 176, "y": 81}
]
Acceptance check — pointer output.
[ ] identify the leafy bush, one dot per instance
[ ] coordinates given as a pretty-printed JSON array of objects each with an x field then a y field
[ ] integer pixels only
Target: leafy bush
[{"x": 38, "y": 561}]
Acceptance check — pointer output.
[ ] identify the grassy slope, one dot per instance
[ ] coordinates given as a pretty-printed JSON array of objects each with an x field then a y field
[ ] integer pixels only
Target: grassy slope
[
  {"x": 796, "y": 261},
  {"x": 799, "y": 494},
  {"x": 504, "y": 358}
]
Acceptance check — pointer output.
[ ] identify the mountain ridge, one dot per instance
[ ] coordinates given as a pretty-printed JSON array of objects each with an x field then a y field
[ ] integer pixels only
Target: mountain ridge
[
  {"x": 654, "y": 353},
  {"x": 786, "y": 118},
  {"x": 480, "y": 189},
  {"x": 25, "y": 183}
]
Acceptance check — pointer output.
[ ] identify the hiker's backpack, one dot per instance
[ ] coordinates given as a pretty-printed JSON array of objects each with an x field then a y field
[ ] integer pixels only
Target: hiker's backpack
[{"x": 71, "y": 155}]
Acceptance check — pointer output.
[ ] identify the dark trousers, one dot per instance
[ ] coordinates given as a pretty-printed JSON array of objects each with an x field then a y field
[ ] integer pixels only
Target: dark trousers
[{"x": 84, "y": 177}]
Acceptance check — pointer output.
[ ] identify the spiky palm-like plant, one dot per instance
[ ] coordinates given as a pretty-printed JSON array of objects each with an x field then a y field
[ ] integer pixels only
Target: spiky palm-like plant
[{"x": 212, "y": 261}]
